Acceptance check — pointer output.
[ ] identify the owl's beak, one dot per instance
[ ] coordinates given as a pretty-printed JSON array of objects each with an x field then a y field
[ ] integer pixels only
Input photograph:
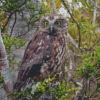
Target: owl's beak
[{"x": 51, "y": 29}]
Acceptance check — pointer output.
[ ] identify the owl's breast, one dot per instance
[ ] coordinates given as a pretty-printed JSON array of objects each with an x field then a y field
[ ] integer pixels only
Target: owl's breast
[{"x": 56, "y": 53}]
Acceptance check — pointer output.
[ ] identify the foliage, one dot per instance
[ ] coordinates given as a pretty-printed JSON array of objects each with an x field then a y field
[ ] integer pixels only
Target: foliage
[
  {"x": 87, "y": 63},
  {"x": 47, "y": 5},
  {"x": 58, "y": 91},
  {"x": 62, "y": 91},
  {"x": 91, "y": 68},
  {"x": 36, "y": 12},
  {"x": 3, "y": 19},
  {"x": 11, "y": 7},
  {"x": 12, "y": 44}
]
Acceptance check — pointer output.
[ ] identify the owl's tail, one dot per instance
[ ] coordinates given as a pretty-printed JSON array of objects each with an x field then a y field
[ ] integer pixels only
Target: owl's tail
[{"x": 20, "y": 85}]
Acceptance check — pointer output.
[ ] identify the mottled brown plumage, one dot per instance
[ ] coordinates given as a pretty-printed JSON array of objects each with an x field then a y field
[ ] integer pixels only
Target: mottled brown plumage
[{"x": 45, "y": 53}]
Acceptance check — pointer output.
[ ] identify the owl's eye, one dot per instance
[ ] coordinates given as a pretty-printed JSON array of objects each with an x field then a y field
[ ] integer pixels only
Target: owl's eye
[
  {"x": 46, "y": 23},
  {"x": 57, "y": 23}
]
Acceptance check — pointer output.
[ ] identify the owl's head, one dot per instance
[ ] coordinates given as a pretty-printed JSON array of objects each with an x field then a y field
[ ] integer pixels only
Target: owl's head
[{"x": 53, "y": 23}]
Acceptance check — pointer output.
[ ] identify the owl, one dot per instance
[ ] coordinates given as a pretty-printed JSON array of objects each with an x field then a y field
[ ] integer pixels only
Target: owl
[{"x": 45, "y": 53}]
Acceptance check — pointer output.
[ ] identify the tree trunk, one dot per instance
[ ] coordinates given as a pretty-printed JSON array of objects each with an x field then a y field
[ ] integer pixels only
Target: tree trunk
[{"x": 5, "y": 72}]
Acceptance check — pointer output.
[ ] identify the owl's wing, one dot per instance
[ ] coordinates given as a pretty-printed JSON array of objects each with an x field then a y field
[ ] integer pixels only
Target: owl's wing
[{"x": 32, "y": 61}]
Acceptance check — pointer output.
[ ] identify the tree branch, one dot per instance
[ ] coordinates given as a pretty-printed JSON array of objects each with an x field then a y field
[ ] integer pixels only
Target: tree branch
[
  {"x": 7, "y": 21},
  {"x": 73, "y": 42},
  {"x": 13, "y": 24},
  {"x": 74, "y": 21},
  {"x": 11, "y": 16},
  {"x": 96, "y": 42},
  {"x": 95, "y": 4},
  {"x": 4, "y": 68},
  {"x": 77, "y": 84},
  {"x": 53, "y": 6},
  {"x": 94, "y": 15}
]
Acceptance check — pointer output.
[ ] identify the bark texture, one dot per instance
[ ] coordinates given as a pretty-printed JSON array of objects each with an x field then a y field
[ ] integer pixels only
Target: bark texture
[{"x": 5, "y": 72}]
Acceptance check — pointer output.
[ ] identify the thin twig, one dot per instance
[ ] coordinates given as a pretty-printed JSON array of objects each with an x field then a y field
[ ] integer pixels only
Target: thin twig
[
  {"x": 29, "y": 22},
  {"x": 96, "y": 42},
  {"x": 93, "y": 93},
  {"x": 73, "y": 42},
  {"x": 13, "y": 24},
  {"x": 12, "y": 14},
  {"x": 22, "y": 34},
  {"x": 27, "y": 31},
  {"x": 85, "y": 84},
  {"x": 94, "y": 4},
  {"x": 22, "y": 4},
  {"x": 77, "y": 84},
  {"x": 7, "y": 21},
  {"x": 74, "y": 21}
]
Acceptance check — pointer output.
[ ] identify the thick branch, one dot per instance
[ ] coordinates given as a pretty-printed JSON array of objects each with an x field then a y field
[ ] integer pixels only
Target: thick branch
[
  {"x": 53, "y": 6},
  {"x": 4, "y": 68}
]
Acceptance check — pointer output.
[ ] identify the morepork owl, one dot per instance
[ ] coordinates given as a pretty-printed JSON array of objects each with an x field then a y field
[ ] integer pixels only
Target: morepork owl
[{"x": 45, "y": 53}]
